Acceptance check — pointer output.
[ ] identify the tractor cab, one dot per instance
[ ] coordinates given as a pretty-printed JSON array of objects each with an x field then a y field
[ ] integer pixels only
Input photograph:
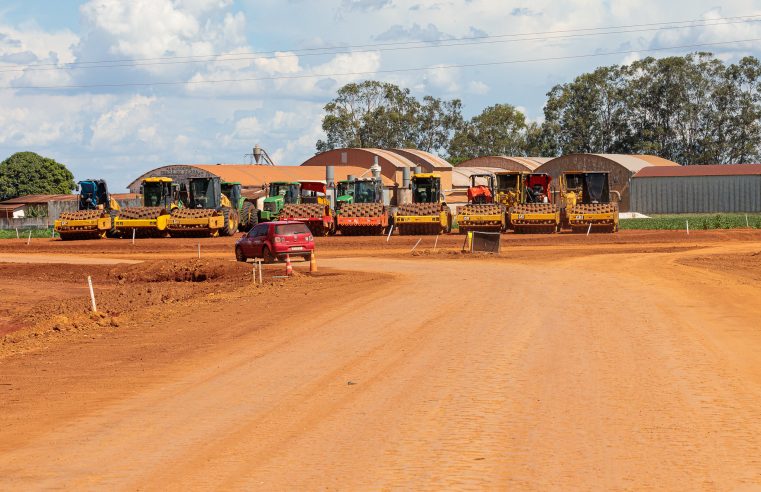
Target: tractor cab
[
  {"x": 158, "y": 192},
  {"x": 93, "y": 195},
  {"x": 344, "y": 192},
  {"x": 426, "y": 188},
  {"x": 481, "y": 188},
  {"x": 284, "y": 191},
  {"x": 314, "y": 192},
  {"x": 205, "y": 193},
  {"x": 280, "y": 193},
  {"x": 587, "y": 187},
  {"x": 538, "y": 188},
  {"x": 232, "y": 191},
  {"x": 368, "y": 190}
]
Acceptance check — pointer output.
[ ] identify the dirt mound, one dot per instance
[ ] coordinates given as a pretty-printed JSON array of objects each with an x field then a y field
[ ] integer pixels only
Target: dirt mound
[{"x": 197, "y": 270}]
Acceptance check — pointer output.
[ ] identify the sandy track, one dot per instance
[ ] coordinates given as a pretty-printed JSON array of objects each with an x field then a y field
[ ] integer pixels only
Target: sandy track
[{"x": 464, "y": 374}]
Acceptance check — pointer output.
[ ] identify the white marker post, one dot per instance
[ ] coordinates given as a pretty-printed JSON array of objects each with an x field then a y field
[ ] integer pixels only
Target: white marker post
[
  {"x": 391, "y": 229},
  {"x": 133, "y": 236},
  {"x": 17, "y": 234},
  {"x": 29, "y": 239},
  {"x": 436, "y": 243},
  {"x": 92, "y": 295},
  {"x": 747, "y": 224},
  {"x": 688, "y": 226},
  {"x": 589, "y": 229},
  {"x": 418, "y": 242},
  {"x": 260, "y": 271},
  {"x": 199, "y": 250}
]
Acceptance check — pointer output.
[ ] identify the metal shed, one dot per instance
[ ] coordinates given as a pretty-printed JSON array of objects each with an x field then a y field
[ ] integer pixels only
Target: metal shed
[
  {"x": 620, "y": 166},
  {"x": 697, "y": 189}
]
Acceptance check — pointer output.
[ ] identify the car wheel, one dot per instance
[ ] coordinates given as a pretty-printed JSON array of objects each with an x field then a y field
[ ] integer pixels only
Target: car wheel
[
  {"x": 267, "y": 255},
  {"x": 239, "y": 254}
]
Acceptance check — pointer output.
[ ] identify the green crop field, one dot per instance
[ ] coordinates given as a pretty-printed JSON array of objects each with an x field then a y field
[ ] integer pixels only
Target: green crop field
[
  {"x": 696, "y": 221},
  {"x": 24, "y": 233}
]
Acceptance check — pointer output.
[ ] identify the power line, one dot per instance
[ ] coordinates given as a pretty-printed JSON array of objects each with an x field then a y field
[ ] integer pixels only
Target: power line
[
  {"x": 400, "y": 70},
  {"x": 245, "y": 57},
  {"x": 395, "y": 46}
]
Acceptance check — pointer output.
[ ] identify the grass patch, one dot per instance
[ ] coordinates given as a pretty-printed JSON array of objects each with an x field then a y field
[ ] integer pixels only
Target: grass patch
[
  {"x": 697, "y": 222},
  {"x": 24, "y": 233}
]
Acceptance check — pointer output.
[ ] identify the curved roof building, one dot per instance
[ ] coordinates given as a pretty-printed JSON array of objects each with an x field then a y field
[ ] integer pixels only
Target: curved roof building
[
  {"x": 620, "y": 166},
  {"x": 507, "y": 163}
]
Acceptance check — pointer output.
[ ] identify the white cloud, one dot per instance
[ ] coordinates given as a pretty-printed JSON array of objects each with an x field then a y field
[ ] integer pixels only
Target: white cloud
[
  {"x": 132, "y": 119},
  {"x": 477, "y": 87}
]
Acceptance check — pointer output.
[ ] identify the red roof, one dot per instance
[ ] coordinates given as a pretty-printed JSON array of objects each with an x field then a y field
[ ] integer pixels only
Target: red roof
[{"x": 697, "y": 170}]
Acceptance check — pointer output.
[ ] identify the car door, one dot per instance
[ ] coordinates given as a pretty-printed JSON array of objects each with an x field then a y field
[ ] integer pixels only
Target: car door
[{"x": 254, "y": 241}]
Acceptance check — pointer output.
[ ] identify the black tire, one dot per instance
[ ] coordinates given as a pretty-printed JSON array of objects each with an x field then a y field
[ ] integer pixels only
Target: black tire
[
  {"x": 267, "y": 255},
  {"x": 248, "y": 217},
  {"x": 239, "y": 254},
  {"x": 230, "y": 226}
]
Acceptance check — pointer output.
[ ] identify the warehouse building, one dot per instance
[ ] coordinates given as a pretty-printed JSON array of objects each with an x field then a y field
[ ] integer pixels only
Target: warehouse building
[
  {"x": 697, "y": 189},
  {"x": 620, "y": 166}
]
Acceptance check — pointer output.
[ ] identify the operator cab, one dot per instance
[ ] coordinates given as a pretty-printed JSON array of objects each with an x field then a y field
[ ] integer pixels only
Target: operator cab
[{"x": 426, "y": 189}]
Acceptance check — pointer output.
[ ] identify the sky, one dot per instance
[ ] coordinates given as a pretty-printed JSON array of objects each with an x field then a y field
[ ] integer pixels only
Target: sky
[{"x": 115, "y": 88}]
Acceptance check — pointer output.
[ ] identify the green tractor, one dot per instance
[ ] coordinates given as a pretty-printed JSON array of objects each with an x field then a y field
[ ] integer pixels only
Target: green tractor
[
  {"x": 247, "y": 213},
  {"x": 344, "y": 193},
  {"x": 280, "y": 194}
]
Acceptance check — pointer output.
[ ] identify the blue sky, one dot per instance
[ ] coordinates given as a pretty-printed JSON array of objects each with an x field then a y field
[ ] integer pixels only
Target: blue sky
[{"x": 152, "y": 107}]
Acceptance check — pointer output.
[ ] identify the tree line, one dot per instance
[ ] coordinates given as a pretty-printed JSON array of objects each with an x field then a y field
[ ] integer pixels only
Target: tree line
[{"x": 693, "y": 109}]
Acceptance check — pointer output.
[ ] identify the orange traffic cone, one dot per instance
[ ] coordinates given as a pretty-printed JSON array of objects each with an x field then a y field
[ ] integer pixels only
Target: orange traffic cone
[
  {"x": 312, "y": 263},
  {"x": 288, "y": 266}
]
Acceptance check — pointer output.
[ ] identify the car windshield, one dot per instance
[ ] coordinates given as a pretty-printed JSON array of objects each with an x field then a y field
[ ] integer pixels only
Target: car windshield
[{"x": 284, "y": 229}]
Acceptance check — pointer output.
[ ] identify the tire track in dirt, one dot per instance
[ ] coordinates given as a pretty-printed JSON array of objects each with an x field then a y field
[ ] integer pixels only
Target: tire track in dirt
[{"x": 610, "y": 372}]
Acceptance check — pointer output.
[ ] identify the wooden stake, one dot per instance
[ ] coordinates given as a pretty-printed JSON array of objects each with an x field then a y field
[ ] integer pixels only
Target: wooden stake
[{"x": 92, "y": 295}]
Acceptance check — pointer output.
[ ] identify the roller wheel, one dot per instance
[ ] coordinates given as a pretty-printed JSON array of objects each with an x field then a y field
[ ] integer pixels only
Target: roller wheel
[{"x": 239, "y": 254}]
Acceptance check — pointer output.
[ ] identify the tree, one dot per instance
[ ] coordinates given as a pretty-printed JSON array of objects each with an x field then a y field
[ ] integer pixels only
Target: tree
[
  {"x": 27, "y": 173},
  {"x": 587, "y": 115},
  {"x": 437, "y": 123},
  {"x": 692, "y": 109},
  {"x": 378, "y": 114},
  {"x": 499, "y": 130}
]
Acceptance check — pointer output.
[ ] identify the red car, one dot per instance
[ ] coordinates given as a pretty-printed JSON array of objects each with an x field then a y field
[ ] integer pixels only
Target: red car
[{"x": 273, "y": 240}]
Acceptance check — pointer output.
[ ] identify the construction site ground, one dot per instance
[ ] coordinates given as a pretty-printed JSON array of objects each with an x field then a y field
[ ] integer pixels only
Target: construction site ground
[{"x": 623, "y": 361}]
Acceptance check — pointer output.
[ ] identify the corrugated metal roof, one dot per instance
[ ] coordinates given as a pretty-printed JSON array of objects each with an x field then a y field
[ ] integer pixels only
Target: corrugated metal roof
[
  {"x": 635, "y": 162},
  {"x": 655, "y": 160},
  {"x": 509, "y": 162},
  {"x": 36, "y": 199},
  {"x": 397, "y": 160},
  {"x": 432, "y": 159},
  {"x": 461, "y": 175},
  {"x": 697, "y": 170}
]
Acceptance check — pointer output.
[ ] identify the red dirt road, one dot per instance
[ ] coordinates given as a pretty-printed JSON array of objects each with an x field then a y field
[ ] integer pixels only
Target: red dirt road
[{"x": 619, "y": 370}]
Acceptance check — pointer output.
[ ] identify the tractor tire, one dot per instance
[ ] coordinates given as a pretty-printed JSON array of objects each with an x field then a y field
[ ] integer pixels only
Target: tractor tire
[
  {"x": 248, "y": 217},
  {"x": 231, "y": 222},
  {"x": 239, "y": 256}
]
